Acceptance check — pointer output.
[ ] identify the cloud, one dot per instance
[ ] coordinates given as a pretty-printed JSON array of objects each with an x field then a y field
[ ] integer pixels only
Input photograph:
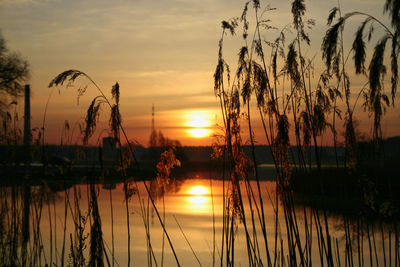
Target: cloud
[
  {"x": 162, "y": 52},
  {"x": 6, "y": 3}
]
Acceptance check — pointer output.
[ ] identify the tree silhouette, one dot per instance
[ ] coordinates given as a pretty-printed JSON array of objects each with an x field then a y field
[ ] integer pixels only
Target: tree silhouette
[{"x": 14, "y": 72}]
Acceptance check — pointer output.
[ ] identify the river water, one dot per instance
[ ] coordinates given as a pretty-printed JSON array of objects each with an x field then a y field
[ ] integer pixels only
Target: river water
[{"x": 192, "y": 211}]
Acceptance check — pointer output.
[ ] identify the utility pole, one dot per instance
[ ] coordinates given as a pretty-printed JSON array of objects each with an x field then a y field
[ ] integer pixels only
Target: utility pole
[
  {"x": 27, "y": 125},
  {"x": 27, "y": 188},
  {"x": 153, "y": 134},
  {"x": 152, "y": 118}
]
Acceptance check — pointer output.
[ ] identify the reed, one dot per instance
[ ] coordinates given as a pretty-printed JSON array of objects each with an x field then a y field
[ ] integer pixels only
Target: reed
[
  {"x": 272, "y": 79},
  {"x": 310, "y": 107}
]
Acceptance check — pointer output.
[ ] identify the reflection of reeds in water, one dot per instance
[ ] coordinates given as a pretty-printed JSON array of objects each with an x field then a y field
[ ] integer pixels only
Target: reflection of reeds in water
[
  {"x": 296, "y": 236},
  {"x": 96, "y": 234}
]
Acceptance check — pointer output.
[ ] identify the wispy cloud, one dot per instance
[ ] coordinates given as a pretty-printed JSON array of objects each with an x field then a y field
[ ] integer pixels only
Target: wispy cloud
[
  {"x": 162, "y": 52},
  {"x": 6, "y": 3}
]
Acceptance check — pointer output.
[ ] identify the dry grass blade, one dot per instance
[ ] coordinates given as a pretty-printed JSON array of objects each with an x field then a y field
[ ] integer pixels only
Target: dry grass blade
[
  {"x": 332, "y": 15},
  {"x": 393, "y": 7},
  {"x": 394, "y": 65},
  {"x": 115, "y": 92},
  {"x": 91, "y": 119},
  {"x": 359, "y": 49},
  {"x": 298, "y": 11},
  {"x": 230, "y": 25},
  {"x": 69, "y": 75},
  {"x": 330, "y": 42},
  {"x": 187, "y": 241},
  {"x": 218, "y": 76},
  {"x": 260, "y": 83},
  {"x": 377, "y": 69},
  {"x": 115, "y": 121},
  {"x": 293, "y": 66}
]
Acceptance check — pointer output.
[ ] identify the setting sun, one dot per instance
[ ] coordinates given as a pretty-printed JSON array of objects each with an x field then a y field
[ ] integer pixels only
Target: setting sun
[
  {"x": 199, "y": 123},
  {"x": 199, "y": 133}
]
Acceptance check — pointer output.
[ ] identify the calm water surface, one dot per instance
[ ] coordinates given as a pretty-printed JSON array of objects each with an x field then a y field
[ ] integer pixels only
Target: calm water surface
[{"x": 194, "y": 204}]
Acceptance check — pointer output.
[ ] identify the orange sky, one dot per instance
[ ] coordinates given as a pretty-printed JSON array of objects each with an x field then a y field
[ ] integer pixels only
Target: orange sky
[{"x": 161, "y": 52}]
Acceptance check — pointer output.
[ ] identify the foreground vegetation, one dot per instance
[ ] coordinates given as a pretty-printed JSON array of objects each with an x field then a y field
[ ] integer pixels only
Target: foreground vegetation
[
  {"x": 276, "y": 81},
  {"x": 290, "y": 105}
]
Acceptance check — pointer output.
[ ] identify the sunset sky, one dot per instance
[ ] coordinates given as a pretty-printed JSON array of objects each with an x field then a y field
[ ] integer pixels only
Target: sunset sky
[{"x": 162, "y": 52}]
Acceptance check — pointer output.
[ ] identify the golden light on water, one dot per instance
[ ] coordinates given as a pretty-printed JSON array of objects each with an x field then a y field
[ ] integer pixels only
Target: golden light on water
[
  {"x": 198, "y": 190},
  {"x": 199, "y": 122},
  {"x": 199, "y": 199}
]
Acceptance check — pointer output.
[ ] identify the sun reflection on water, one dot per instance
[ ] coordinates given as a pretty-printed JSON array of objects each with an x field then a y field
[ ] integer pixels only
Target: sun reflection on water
[
  {"x": 198, "y": 190},
  {"x": 198, "y": 199}
]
